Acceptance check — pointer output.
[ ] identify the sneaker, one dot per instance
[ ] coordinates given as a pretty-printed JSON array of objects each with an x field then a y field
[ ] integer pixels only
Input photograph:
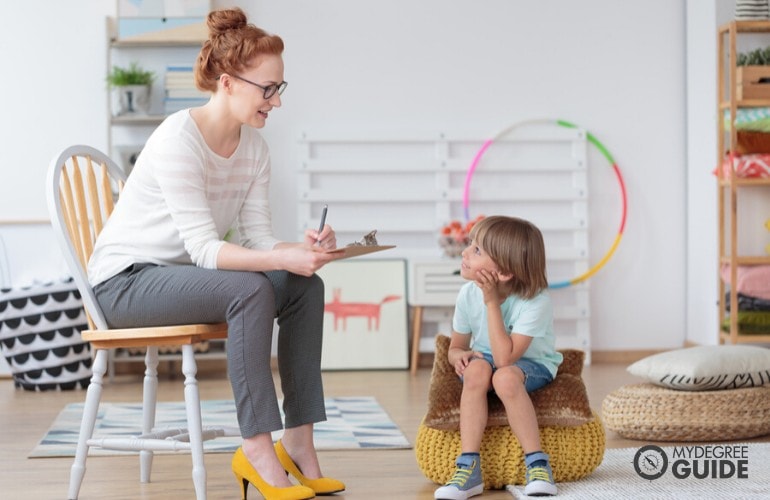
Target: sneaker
[
  {"x": 540, "y": 481},
  {"x": 465, "y": 483}
]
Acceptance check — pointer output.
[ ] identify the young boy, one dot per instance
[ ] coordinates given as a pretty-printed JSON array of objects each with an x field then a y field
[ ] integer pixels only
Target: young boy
[{"x": 502, "y": 341}]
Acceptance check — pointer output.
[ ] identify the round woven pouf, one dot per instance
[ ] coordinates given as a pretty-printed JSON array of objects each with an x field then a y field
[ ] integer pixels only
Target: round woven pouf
[
  {"x": 653, "y": 413},
  {"x": 575, "y": 452}
]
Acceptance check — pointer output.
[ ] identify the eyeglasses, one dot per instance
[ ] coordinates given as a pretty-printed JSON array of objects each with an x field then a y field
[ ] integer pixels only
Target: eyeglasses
[{"x": 270, "y": 90}]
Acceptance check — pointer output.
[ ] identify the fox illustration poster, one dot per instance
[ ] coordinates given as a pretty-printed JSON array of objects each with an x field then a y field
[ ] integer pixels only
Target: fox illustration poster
[{"x": 365, "y": 315}]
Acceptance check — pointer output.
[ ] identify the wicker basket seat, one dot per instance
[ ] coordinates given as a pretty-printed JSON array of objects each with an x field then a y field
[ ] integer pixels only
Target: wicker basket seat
[{"x": 652, "y": 413}]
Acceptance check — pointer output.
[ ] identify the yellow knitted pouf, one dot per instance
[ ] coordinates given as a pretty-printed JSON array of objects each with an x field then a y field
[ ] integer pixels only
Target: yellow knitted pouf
[{"x": 574, "y": 453}]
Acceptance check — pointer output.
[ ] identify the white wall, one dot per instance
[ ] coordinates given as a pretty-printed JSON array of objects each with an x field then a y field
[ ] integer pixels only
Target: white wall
[
  {"x": 615, "y": 68},
  {"x": 53, "y": 90},
  {"x": 703, "y": 18}
]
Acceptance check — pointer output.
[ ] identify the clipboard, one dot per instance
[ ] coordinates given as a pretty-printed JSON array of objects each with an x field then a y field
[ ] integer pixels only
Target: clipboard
[{"x": 356, "y": 250}]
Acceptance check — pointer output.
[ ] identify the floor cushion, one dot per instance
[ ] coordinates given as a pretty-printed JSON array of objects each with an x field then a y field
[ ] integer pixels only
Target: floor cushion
[{"x": 652, "y": 413}]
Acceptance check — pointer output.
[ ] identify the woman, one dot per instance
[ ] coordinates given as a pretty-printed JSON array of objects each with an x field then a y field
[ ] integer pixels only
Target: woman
[{"x": 162, "y": 257}]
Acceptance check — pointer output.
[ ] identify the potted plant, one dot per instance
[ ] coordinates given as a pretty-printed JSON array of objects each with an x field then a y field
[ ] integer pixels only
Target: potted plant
[
  {"x": 130, "y": 89},
  {"x": 753, "y": 74}
]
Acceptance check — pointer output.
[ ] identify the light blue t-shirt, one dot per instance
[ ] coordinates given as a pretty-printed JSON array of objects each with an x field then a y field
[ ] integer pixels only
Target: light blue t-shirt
[{"x": 531, "y": 317}]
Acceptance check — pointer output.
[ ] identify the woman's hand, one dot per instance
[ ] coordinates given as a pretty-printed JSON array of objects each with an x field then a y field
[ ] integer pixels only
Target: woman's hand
[
  {"x": 488, "y": 282},
  {"x": 304, "y": 259},
  {"x": 325, "y": 240}
]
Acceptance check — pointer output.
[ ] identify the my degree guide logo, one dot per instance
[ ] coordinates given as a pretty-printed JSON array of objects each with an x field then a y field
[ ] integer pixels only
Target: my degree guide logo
[{"x": 693, "y": 462}]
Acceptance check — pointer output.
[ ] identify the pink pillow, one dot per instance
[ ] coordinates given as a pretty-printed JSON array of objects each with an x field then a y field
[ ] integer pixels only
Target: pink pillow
[{"x": 751, "y": 280}]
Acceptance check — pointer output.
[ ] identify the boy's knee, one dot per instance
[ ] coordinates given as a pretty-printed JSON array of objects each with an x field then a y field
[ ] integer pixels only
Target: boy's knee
[
  {"x": 508, "y": 380},
  {"x": 477, "y": 376}
]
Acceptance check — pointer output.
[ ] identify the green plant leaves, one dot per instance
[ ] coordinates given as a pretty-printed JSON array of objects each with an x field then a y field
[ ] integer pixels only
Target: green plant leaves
[{"x": 133, "y": 75}]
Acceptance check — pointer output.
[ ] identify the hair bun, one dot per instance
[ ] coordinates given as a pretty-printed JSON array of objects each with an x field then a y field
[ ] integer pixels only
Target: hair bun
[{"x": 221, "y": 21}]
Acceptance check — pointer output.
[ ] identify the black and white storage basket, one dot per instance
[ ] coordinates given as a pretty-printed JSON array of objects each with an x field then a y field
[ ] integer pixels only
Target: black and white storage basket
[{"x": 40, "y": 336}]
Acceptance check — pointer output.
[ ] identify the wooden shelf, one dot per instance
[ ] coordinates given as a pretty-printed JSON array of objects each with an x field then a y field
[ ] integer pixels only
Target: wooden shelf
[
  {"x": 730, "y": 189},
  {"x": 744, "y": 338},
  {"x": 744, "y": 260},
  {"x": 745, "y": 27},
  {"x": 137, "y": 119},
  {"x": 148, "y": 44},
  {"x": 746, "y": 103},
  {"x": 740, "y": 181}
]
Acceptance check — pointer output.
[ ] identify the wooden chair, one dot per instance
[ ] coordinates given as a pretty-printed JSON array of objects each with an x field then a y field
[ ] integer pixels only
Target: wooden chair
[{"x": 81, "y": 188}]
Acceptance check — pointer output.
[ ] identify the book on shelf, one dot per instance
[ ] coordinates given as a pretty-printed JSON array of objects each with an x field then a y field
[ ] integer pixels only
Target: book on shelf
[
  {"x": 180, "y": 90},
  {"x": 186, "y": 93},
  {"x": 179, "y": 79},
  {"x": 177, "y": 72},
  {"x": 182, "y": 67},
  {"x": 173, "y": 104}
]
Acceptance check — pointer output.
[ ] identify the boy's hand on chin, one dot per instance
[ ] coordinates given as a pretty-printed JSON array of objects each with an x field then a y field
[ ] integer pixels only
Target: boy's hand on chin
[{"x": 488, "y": 281}]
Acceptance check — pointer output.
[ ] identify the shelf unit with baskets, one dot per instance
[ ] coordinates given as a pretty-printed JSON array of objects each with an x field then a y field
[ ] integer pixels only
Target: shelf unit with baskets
[{"x": 735, "y": 93}]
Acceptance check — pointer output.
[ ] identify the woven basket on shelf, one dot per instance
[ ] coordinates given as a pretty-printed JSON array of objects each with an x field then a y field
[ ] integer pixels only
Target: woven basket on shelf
[{"x": 653, "y": 413}]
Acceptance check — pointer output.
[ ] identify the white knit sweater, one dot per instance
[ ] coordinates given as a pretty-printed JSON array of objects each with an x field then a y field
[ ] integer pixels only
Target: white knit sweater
[{"x": 181, "y": 199}]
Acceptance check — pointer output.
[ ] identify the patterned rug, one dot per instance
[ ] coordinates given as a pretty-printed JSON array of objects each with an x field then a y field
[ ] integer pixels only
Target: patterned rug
[
  {"x": 352, "y": 423},
  {"x": 694, "y": 472}
]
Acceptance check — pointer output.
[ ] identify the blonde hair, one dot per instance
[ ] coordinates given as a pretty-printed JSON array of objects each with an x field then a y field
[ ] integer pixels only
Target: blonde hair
[
  {"x": 232, "y": 45},
  {"x": 516, "y": 246}
]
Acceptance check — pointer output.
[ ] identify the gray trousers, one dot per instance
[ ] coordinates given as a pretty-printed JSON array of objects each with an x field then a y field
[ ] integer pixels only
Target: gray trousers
[{"x": 150, "y": 295}]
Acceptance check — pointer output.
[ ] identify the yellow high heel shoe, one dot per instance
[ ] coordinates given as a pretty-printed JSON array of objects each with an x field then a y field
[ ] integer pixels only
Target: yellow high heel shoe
[
  {"x": 246, "y": 474},
  {"x": 321, "y": 486}
]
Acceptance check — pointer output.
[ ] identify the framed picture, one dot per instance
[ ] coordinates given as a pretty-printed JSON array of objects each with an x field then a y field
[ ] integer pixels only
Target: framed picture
[{"x": 365, "y": 315}]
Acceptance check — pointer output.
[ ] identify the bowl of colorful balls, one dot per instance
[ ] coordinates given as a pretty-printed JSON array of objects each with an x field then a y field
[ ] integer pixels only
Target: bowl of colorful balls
[{"x": 455, "y": 236}]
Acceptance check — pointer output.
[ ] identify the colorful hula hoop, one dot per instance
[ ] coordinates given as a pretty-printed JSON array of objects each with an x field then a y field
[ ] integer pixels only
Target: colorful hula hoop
[{"x": 602, "y": 149}]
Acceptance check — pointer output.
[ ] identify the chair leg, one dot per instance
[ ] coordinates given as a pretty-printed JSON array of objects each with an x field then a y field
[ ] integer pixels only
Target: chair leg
[
  {"x": 149, "y": 400},
  {"x": 90, "y": 410},
  {"x": 194, "y": 420}
]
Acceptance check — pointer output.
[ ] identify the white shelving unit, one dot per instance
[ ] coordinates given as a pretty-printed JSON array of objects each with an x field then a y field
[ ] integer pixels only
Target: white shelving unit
[
  {"x": 128, "y": 133},
  {"x": 407, "y": 186}
]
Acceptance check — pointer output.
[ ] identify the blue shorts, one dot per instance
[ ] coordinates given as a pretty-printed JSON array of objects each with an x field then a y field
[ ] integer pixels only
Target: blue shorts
[{"x": 535, "y": 374}]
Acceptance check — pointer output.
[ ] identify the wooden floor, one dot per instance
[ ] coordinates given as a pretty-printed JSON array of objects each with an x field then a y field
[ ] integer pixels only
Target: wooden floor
[{"x": 383, "y": 474}]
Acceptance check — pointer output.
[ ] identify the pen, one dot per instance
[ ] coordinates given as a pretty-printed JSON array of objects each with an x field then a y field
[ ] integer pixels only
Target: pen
[{"x": 323, "y": 223}]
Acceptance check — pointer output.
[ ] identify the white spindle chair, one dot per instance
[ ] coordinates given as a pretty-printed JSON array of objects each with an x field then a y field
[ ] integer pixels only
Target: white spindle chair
[{"x": 81, "y": 188}]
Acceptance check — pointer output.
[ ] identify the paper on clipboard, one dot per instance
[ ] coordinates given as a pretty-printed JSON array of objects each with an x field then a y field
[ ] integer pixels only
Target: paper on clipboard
[{"x": 356, "y": 250}]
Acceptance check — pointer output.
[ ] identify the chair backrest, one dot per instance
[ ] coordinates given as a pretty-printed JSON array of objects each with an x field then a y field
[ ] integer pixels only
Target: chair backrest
[{"x": 81, "y": 190}]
